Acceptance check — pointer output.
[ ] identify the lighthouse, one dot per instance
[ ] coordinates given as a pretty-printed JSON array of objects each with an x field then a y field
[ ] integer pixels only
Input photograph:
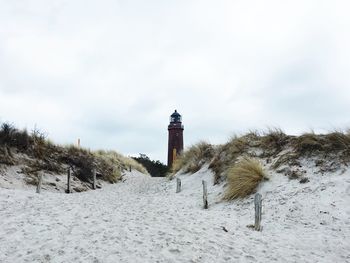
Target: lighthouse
[{"x": 175, "y": 139}]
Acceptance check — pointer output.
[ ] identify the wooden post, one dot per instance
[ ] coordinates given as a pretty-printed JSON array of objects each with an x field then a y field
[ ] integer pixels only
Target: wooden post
[
  {"x": 258, "y": 205},
  {"x": 205, "y": 195},
  {"x": 94, "y": 179},
  {"x": 68, "y": 181},
  {"x": 129, "y": 168},
  {"x": 38, "y": 187},
  {"x": 178, "y": 185}
]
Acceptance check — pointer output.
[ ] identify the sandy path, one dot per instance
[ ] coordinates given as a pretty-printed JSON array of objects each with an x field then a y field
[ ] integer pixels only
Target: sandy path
[{"x": 143, "y": 220}]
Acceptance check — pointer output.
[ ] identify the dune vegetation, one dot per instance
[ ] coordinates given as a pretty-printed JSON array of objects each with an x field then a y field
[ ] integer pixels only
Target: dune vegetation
[
  {"x": 274, "y": 149},
  {"x": 243, "y": 178},
  {"x": 35, "y": 153}
]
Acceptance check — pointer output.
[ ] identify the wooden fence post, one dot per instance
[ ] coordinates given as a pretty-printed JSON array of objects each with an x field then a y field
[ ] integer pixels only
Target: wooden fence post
[
  {"x": 205, "y": 195},
  {"x": 94, "y": 179},
  {"x": 178, "y": 185},
  {"x": 258, "y": 205},
  {"x": 68, "y": 181},
  {"x": 38, "y": 187},
  {"x": 130, "y": 168}
]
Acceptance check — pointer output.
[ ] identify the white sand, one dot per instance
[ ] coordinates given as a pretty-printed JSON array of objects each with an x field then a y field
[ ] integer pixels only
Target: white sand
[{"x": 144, "y": 220}]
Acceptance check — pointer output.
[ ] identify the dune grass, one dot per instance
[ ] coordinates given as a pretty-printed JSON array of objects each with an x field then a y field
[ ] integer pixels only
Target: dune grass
[
  {"x": 271, "y": 144},
  {"x": 47, "y": 156},
  {"x": 227, "y": 153},
  {"x": 119, "y": 161},
  {"x": 192, "y": 159},
  {"x": 243, "y": 178},
  {"x": 327, "y": 143},
  {"x": 273, "y": 141}
]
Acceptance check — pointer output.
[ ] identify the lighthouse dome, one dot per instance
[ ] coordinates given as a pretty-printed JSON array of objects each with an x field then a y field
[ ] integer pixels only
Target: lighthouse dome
[{"x": 175, "y": 117}]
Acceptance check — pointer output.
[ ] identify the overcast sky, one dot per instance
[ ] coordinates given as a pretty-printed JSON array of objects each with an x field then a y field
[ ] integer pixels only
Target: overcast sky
[{"x": 111, "y": 72}]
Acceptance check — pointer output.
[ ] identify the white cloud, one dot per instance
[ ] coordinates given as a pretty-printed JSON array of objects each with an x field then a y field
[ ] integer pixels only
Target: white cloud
[{"x": 111, "y": 72}]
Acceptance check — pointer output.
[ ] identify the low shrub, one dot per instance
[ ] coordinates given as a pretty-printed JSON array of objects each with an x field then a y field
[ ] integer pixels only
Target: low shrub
[
  {"x": 6, "y": 132},
  {"x": 21, "y": 140}
]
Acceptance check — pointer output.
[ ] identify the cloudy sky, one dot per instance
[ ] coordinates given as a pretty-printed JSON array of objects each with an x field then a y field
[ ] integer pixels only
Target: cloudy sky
[{"x": 112, "y": 71}]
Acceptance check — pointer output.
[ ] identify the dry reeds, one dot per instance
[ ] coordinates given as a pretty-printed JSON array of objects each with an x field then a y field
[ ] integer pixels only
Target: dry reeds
[{"x": 243, "y": 178}]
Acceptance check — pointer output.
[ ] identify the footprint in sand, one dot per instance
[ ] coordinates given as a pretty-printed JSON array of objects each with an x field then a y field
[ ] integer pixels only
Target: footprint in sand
[{"x": 174, "y": 250}]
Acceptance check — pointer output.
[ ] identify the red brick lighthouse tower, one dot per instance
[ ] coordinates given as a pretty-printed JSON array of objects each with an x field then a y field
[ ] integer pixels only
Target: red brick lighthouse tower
[{"x": 176, "y": 140}]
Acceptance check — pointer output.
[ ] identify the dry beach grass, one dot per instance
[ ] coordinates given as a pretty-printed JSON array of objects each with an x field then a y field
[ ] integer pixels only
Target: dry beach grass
[
  {"x": 275, "y": 149},
  {"x": 192, "y": 159},
  {"x": 243, "y": 178},
  {"x": 35, "y": 153}
]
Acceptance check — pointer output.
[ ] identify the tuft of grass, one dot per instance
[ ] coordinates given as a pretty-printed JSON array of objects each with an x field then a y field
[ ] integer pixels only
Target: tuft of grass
[
  {"x": 237, "y": 145},
  {"x": 228, "y": 153},
  {"x": 194, "y": 158},
  {"x": 337, "y": 141},
  {"x": 178, "y": 164},
  {"x": 108, "y": 166},
  {"x": 311, "y": 143},
  {"x": 39, "y": 143},
  {"x": 308, "y": 143},
  {"x": 273, "y": 141},
  {"x": 243, "y": 178}
]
